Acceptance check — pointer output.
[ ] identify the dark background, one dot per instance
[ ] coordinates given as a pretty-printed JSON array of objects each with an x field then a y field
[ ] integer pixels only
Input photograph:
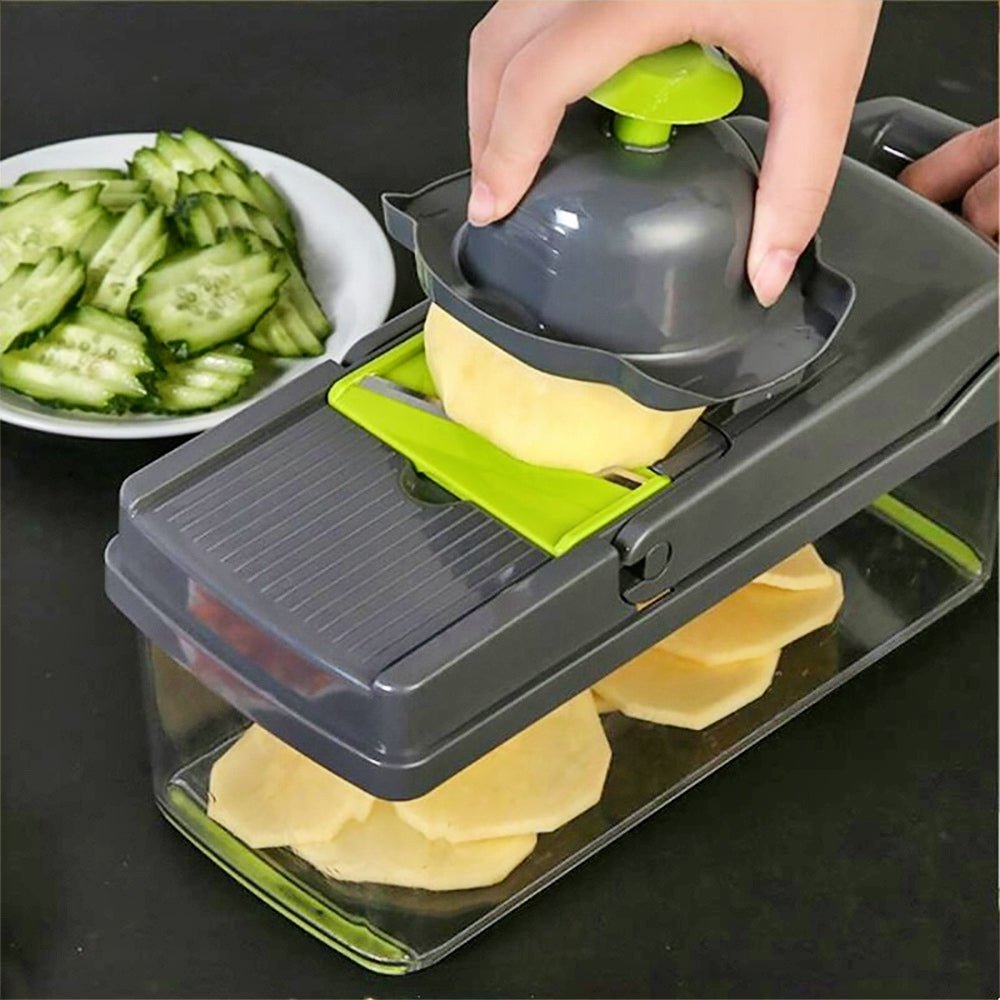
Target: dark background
[{"x": 854, "y": 853}]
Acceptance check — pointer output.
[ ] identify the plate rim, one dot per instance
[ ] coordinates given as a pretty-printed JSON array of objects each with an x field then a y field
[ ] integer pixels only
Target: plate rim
[{"x": 85, "y": 425}]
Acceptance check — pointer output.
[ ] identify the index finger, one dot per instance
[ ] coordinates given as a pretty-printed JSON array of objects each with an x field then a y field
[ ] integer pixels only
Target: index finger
[
  {"x": 561, "y": 64},
  {"x": 950, "y": 170},
  {"x": 494, "y": 41}
]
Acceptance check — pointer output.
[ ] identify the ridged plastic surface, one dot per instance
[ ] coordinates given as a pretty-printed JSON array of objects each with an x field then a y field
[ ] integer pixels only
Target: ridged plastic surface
[{"x": 316, "y": 521}]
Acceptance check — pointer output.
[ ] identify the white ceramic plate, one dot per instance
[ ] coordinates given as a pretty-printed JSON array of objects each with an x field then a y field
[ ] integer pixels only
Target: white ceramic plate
[{"x": 347, "y": 261}]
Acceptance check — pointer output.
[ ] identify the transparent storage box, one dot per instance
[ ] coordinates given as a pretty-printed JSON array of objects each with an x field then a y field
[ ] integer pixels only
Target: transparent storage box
[{"x": 905, "y": 561}]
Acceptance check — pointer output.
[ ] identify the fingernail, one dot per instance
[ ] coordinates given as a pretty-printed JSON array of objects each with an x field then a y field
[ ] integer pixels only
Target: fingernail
[
  {"x": 772, "y": 274},
  {"x": 482, "y": 204}
]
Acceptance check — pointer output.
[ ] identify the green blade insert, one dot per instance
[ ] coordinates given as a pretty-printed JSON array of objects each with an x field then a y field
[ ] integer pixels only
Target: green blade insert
[{"x": 554, "y": 509}]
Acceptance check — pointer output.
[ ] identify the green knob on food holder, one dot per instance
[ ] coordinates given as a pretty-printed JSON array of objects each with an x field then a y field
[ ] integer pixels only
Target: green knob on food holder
[{"x": 684, "y": 85}]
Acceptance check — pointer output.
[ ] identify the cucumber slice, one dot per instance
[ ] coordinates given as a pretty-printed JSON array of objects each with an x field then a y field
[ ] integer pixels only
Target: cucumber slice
[
  {"x": 90, "y": 361},
  {"x": 116, "y": 195},
  {"x": 196, "y": 183},
  {"x": 200, "y": 216},
  {"x": 206, "y": 151},
  {"x": 120, "y": 233},
  {"x": 273, "y": 338},
  {"x": 296, "y": 326},
  {"x": 267, "y": 199},
  {"x": 175, "y": 154},
  {"x": 137, "y": 241},
  {"x": 120, "y": 195},
  {"x": 200, "y": 383},
  {"x": 32, "y": 298},
  {"x": 52, "y": 217},
  {"x": 8, "y": 195},
  {"x": 94, "y": 238},
  {"x": 163, "y": 163},
  {"x": 198, "y": 299},
  {"x": 87, "y": 175},
  {"x": 253, "y": 189},
  {"x": 250, "y": 188},
  {"x": 147, "y": 165}
]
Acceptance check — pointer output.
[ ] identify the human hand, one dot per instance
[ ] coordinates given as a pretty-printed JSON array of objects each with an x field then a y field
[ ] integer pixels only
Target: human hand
[
  {"x": 964, "y": 167},
  {"x": 528, "y": 60}
]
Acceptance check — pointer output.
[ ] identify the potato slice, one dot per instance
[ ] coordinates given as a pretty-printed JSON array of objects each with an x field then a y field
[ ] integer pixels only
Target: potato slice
[
  {"x": 270, "y": 795},
  {"x": 754, "y": 620},
  {"x": 535, "y": 782},
  {"x": 601, "y": 703},
  {"x": 802, "y": 570},
  {"x": 540, "y": 418},
  {"x": 384, "y": 849},
  {"x": 659, "y": 687}
]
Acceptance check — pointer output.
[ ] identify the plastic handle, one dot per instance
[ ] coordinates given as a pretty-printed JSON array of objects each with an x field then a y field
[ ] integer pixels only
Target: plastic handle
[{"x": 684, "y": 85}]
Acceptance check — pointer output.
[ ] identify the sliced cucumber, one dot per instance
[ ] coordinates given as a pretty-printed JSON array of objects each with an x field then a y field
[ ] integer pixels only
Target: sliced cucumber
[
  {"x": 136, "y": 242},
  {"x": 296, "y": 326},
  {"x": 198, "y": 182},
  {"x": 95, "y": 237},
  {"x": 200, "y": 383},
  {"x": 8, "y": 195},
  {"x": 251, "y": 189},
  {"x": 32, "y": 298},
  {"x": 176, "y": 155},
  {"x": 207, "y": 151},
  {"x": 198, "y": 299},
  {"x": 52, "y": 217},
  {"x": 200, "y": 216},
  {"x": 267, "y": 199},
  {"x": 116, "y": 194},
  {"x": 171, "y": 156},
  {"x": 91, "y": 361},
  {"x": 147, "y": 165},
  {"x": 86, "y": 175},
  {"x": 119, "y": 196}
]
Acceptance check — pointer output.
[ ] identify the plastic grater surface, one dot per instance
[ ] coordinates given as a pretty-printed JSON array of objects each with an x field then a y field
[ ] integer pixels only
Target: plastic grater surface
[{"x": 313, "y": 525}]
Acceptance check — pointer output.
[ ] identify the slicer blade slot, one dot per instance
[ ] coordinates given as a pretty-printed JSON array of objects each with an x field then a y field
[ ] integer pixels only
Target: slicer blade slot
[
  {"x": 623, "y": 477},
  {"x": 403, "y": 394}
]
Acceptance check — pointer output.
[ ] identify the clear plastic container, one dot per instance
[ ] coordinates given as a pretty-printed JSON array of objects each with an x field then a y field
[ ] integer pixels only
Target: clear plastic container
[{"x": 905, "y": 561}]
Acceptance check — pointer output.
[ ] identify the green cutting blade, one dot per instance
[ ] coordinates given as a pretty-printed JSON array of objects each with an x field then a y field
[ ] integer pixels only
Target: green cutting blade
[{"x": 554, "y": 509}]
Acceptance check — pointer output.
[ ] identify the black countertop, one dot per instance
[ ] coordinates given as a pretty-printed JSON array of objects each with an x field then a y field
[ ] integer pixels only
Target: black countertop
[{"x": 851, "y": 854}]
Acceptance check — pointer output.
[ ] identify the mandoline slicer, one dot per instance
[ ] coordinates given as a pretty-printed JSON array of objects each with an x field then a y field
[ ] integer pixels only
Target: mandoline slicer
[{"x": 390, "y": 594}]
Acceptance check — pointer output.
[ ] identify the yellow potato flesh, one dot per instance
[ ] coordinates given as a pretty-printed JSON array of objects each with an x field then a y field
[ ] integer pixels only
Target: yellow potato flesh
[
  {"x": 384, "y": 849},
  {"x": 802, "y": 570},
  {"x": 270, "y": 795},
  {"x": 601, "y": 703},
  {"x": 755, "y": 620},
  {"x": 540, "y": 418},
  {"x": 659, "y": 687},
  {"x": 535, "y": 782}
]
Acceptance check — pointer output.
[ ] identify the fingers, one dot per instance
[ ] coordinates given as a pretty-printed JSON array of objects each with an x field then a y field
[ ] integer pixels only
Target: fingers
[
  {"x": 559, "y": 65},
  {"x": 979, "y": 206},
  {"x": 805, "y": 141},
  {"x": 950, "y": 170},
  {"x": 494, "y": 41}
]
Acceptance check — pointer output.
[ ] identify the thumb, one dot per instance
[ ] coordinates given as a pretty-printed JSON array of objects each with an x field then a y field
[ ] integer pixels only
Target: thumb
[{"x": 805, "y": 141}]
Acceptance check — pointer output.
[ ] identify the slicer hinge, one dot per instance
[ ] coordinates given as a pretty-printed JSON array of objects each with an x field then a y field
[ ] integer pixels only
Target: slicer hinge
[{"x": 642, "y": 580}]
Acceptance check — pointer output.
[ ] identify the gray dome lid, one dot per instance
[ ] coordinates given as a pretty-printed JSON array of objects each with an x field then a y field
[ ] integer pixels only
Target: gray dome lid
[{"x": 626, "y": 266}]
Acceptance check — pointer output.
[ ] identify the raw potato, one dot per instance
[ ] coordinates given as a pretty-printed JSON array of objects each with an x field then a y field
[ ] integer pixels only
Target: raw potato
[
  {"x": 802, "y": 570},
  {"x": 270, "y": 795},
  {"x": 601, "y": 703},
  {"x": 540, "y": 418},
  {"x": 384, "y": 849},
  {"x": 658, "y": 686},
  {"x": 534, "y": 783},
  {"x": 754, "y": 620}
]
